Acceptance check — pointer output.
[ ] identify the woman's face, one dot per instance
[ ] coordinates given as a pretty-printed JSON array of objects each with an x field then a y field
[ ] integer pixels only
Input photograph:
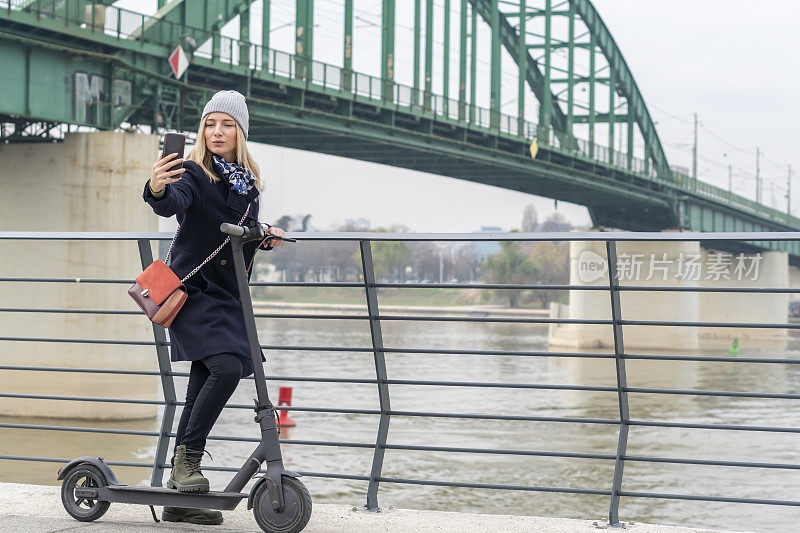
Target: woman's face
[{"x": 220, "y": 133}]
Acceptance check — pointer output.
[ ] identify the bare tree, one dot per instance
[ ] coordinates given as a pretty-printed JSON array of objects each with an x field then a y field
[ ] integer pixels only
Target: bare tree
[
  {"x": 285, "y": 223},
  {"x": 510, "y": 265},
  {"x": 425, "y": 260},
  {"x": 551, "y": 260},
  {"x": 556, "y": 223},
  {"x": 341, "y": 258},
  {"x": 530, "y": 219},
  {"x": 467, "y": 264}
]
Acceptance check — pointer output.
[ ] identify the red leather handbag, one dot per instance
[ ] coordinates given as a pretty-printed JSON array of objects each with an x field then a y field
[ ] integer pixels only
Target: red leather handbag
[{"x": 159, "y": 292}]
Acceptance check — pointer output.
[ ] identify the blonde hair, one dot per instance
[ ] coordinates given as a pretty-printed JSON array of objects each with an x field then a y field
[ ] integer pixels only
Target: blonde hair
[{"x": 201, "y": 155}]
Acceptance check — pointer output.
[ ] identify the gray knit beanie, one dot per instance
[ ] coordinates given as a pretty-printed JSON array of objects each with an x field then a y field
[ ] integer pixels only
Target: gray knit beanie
[{"x": 232, "y": 103}]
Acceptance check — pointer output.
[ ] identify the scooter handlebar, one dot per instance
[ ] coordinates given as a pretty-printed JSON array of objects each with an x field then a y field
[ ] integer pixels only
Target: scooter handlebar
[
  {"x": 258, "y": 232},
  {"x": 232, "y": 229}
]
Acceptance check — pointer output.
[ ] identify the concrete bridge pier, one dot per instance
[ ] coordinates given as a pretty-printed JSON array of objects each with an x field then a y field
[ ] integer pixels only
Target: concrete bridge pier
[
  {"x": 766, "y": 270},
  {"x": 589, "y": 266},
  {"x": 678, "y": 264},
  {"x": 89, "y": 182}
]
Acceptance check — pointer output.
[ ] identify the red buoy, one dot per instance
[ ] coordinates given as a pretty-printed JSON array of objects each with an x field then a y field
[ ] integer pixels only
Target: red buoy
[{"x": 285, "y": 399}]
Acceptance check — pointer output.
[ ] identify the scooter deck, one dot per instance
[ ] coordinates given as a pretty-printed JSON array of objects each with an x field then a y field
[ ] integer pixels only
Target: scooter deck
[{"x": 143, "y": 495}]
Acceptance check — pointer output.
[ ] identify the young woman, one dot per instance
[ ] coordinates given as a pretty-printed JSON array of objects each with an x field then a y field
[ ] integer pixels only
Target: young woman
[{"x": 219, "y": 182}]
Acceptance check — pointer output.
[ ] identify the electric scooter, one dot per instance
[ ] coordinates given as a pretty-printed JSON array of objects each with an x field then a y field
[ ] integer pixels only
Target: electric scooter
[{"x": 280, "y": 502}]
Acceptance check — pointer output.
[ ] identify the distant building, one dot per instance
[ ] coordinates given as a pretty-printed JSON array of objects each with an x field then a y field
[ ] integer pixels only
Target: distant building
[
  {"x": 681, "y": 169},
  {"x": 360, "y": 223},
  {"x": 487, "y": 248}
]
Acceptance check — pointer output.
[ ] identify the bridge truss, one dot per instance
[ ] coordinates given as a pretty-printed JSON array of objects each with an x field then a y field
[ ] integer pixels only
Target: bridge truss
[{"x": 91, "y": 64}]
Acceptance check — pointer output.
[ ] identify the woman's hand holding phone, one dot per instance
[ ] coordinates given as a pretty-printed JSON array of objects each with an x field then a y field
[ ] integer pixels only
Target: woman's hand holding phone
[{"x": 162, "y": 176}]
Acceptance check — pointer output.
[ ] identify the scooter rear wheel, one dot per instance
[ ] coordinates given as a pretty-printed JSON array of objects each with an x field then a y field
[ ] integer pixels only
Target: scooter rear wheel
[
  {"x": 296, "y": 511},
  {"x": 83, "y": 509}
]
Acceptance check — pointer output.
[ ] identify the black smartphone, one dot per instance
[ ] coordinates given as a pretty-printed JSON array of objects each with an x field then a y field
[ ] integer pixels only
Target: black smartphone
[{"x": 174, "y": 143}]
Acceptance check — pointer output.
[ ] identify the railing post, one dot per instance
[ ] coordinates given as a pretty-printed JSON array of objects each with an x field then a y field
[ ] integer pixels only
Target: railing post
[
  {"x": 271, "y": 64},
  {"x": 380, "y": 374},
  {"x": 167, "y": 383},
  {"x": 622, "y": 383}
]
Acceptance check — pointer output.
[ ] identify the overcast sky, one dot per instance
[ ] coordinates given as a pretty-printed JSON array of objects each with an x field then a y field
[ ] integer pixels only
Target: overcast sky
[{"x": 732, "y": 62}]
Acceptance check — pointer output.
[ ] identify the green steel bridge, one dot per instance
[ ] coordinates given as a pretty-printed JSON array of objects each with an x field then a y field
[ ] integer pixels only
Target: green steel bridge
[{"x": 89, "y": 63}]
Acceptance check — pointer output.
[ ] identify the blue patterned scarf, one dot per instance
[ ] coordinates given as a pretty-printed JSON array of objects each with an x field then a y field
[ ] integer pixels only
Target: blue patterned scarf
[{"x": 241, "y": 179}]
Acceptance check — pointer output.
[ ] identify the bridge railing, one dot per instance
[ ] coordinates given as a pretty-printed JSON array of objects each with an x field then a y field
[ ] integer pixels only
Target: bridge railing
[
  {"x": 385, "y": 383},
  {"x": 719, "y": 194}
]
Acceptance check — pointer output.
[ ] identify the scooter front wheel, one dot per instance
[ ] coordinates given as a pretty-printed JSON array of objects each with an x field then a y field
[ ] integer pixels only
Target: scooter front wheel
[
  {"x": 296, "y": 511},
  {"x": 83, "y": 509}
]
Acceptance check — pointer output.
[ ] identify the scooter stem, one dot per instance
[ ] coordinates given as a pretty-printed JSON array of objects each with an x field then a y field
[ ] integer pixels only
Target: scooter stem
[
  {"x": 269, "y": 449},
  {"x": 249, "y": 322}
]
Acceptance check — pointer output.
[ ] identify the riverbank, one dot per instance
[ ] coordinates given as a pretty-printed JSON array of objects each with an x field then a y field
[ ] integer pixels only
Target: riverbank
[
  {"x": 481, "y": 310},
  {"x": 401, "y": 294},
  {"x": 25, "y": 508}
]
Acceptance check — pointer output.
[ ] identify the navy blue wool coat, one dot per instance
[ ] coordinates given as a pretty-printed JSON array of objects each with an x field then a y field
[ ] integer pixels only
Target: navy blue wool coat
[{"x": 210, "y": 321}]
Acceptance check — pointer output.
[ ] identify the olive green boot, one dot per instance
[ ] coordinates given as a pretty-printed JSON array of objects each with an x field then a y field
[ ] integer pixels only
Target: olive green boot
[
  {"x": 192, "y": 516},
  {"x": 186, "y": 475}
]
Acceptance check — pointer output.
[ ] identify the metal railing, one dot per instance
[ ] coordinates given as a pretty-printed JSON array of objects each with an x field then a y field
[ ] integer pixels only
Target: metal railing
[{"x": 383, "y": 381}]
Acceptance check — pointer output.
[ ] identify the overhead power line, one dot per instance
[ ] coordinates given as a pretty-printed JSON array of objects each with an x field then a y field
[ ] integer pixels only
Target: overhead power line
[
  {"x": 676, "y": 117},
  {"x": 726, "y": 142}
]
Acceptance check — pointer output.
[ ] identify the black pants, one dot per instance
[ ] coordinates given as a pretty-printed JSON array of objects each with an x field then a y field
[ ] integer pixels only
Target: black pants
[{"x": 212, "y": 381}]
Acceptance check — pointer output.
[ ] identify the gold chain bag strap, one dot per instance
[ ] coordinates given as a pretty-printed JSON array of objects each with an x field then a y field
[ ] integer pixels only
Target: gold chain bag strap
[{"x": 159, "y": 292}]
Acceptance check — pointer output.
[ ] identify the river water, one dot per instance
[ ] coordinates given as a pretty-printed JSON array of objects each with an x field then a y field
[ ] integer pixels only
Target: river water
[{"x": 492, "y": 468}]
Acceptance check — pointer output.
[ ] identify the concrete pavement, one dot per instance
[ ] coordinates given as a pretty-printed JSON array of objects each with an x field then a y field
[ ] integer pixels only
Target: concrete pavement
[{"x": 36, "y": 508}]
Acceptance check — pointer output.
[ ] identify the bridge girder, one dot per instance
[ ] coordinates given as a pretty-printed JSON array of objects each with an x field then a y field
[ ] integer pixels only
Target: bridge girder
[
  {"x": 621, "y": 81},
  {"x": 534, "y": 77},
  {"x": 206, "y": 17},
  {"x": 202, "y": 18},
  {"x": 627, "y": 84}
]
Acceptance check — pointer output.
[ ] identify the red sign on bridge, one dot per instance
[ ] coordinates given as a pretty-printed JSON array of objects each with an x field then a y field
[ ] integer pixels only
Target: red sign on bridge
[{"x": 178, "y": 61}]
